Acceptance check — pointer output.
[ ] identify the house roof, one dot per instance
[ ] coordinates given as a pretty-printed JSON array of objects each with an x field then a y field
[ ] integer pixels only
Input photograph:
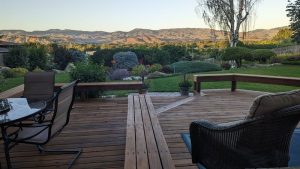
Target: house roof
[
  {"x": 3, "y": 50},
  {"x": 7, "y": 44}
]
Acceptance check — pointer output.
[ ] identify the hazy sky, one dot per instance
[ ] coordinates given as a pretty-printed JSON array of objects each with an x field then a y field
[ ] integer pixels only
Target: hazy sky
[{"x": 123, "y": 15}]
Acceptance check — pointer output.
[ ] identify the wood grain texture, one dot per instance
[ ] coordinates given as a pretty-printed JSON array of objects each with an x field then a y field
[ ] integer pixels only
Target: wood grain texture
[
  {"x": 234, "y": 78},
  {"x": 216, "y": 106},
  {"x": 97, "y": 126},
  {"x": 150, "y": 146}
]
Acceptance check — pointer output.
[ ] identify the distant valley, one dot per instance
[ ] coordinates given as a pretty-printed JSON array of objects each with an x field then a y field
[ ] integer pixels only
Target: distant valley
[{"x": 136, "y": 36}]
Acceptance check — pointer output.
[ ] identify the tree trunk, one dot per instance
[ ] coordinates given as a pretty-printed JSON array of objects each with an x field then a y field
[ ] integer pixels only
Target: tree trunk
[{"x": 234, "y": 39}]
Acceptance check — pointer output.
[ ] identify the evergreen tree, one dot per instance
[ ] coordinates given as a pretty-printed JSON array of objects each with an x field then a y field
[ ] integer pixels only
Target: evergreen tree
[{"x": 293, "y": 9}]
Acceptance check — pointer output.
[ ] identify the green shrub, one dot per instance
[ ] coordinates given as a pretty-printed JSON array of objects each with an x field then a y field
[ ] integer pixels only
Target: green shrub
[
  {"x": 194, "y": 67},
  {"x": 7, "y": 73},
  {"x": 17, "y": 57},
  {"x": 291, "y": 62},
  {"x": 262, "y": 55},
  {"x": 88, "y": 72},
  {"x": 19, "y": 72},
  {"x": 238, "y": 54},
  {"x": 37, "y": 69},
  {"x": 225, "y": 66},
  {"x": 14, "y": 72},
  {"x": 288, "y": 58},
  {"x": 37, "y": 57},
  {"x": 2, "y": 80},
  {"x": 167, "y": 69},
  {"x": 154, "y": 68},
  {"x": 185, "y": 83},
  {"x": 119, "y": 74},
  {"x": 139, "y": 70}
]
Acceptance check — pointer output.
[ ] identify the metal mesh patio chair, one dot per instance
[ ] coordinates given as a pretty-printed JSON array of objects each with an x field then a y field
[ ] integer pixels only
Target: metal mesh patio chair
[
  {"x": 41, "y": 133},
  {"x": 260, "y": 141},
  {"x": 39, "y": 86}
]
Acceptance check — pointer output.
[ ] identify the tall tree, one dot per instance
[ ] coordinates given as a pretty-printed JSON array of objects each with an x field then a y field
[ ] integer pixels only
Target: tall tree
[
  {"x": 293, "y": 9},
  {"x": 228, "y": 15}
]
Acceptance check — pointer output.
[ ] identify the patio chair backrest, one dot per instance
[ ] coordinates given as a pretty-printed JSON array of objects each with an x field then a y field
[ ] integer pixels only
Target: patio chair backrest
[
  {"x": 268, "y": 137},
  {"x": 39, "y": 85},
  {"x": 63, "y": 105}
]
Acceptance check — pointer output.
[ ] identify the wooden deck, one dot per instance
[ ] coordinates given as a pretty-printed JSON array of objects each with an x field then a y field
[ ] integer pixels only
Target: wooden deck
[
  {"x": 99, "y": 127},
  {"x": 216, "y": 106}
]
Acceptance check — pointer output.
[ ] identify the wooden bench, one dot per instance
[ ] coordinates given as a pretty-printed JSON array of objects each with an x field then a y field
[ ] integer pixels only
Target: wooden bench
[
  {"x": 146, "y": 147},
  {"x": 82, "y": 88},
  {"x": 234, "y": 78}
]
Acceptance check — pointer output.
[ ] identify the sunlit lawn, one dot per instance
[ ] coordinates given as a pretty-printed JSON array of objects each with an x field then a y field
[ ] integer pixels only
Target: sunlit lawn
[
  {"x": 170, "y": 84},
  {"x": 13, "y": 82}
]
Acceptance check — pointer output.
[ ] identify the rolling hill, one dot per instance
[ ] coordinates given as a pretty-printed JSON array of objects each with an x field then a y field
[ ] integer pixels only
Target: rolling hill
[{"x": 136, "y": 36}]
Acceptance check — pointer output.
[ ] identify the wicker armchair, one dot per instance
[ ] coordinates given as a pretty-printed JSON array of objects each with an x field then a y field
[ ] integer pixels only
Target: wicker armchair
[{"x": 257, "y": 142}]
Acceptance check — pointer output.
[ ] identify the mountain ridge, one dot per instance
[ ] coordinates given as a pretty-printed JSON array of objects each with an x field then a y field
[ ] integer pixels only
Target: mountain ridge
[{"x": 135, "y": 36}]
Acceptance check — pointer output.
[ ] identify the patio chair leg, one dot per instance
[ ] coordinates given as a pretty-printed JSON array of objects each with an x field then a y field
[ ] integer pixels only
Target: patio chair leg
[{"x": 77, "y": 153}]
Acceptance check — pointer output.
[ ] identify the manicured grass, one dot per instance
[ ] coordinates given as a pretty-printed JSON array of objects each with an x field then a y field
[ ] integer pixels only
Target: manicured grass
[
  {"x": 10, "y": 83},
  {"x": 62, "y": 78},
  {"x": 13, "y": 82},
  {"x": 170, "y": 84}
]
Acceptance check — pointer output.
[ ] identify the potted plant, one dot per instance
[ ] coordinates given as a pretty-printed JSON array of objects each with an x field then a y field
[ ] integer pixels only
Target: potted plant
[
  {"x": 145, "y": 86},
  {"x": 184, "y": 86}
]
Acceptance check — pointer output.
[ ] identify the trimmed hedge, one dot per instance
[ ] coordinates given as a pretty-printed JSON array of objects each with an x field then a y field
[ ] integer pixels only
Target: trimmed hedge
[
  {"x": 262, "y": 55},
  {"x": 238, "y": 54},
  {"x": 194, "y": 67}
]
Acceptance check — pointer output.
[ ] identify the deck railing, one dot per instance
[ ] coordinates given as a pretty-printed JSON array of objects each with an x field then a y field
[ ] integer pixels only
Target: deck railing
[
  {"x": 81, "y": 88},
  {"x": 234, "y": 78}
]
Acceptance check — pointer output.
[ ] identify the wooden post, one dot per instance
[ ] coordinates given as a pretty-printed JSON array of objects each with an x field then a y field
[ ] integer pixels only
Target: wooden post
[
  {"x": 233, "y": 85},
  {"x": 197, "y": 87}
]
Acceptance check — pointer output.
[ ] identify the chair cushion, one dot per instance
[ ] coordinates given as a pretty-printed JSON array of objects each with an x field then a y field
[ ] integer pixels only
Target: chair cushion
[{"x": 268, "y": 103}]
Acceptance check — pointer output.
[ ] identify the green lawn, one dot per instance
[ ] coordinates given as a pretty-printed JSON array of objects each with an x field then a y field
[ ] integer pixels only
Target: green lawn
[
  {"x": 170, "y": 84},
  {"x": 13, "y": 82}
]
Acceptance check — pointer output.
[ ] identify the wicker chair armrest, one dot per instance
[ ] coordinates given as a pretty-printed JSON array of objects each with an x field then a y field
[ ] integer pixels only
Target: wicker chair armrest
[
  {"x": 210, "y": 141},
  {"x": 219, "y": 127}
]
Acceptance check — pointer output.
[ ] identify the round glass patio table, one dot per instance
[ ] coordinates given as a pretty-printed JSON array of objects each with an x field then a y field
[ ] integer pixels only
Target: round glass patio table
[{"x": 20, "y": 109}]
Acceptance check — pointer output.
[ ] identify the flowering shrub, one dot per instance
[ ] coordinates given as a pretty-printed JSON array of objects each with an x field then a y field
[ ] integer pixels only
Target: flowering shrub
[
  {"x": 119, "y": 74},
  {"x": 125, "y": 60}
]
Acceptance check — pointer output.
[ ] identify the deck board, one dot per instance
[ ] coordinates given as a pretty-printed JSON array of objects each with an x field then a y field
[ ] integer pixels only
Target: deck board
[
  {"x": 216, "y": 106},
  {"x": 99, "y": 127}
]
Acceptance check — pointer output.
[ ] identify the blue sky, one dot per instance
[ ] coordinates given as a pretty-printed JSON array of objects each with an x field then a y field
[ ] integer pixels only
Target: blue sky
[{"x": 120, "y": 15}]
